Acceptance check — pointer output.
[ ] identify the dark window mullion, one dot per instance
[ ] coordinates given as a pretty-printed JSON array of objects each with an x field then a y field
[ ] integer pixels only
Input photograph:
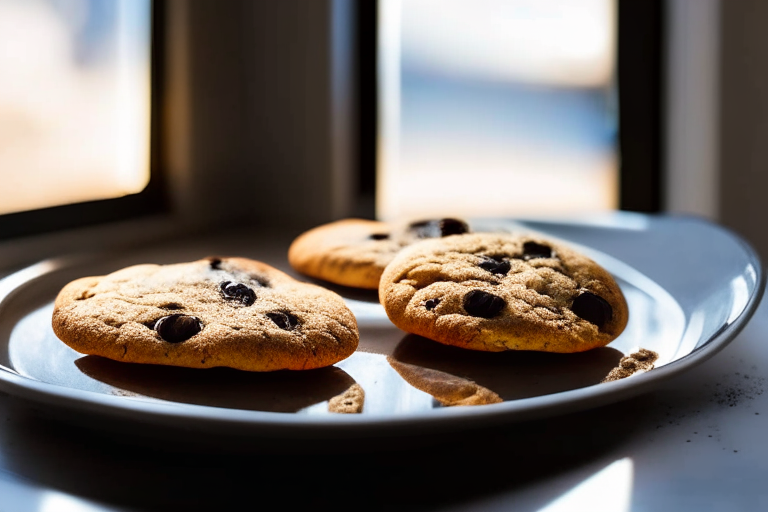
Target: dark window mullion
[{"x": 640, "y": 91}]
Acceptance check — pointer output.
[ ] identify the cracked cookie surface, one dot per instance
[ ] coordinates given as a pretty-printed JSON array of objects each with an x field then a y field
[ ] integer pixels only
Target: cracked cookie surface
[
  {"x": 354, "y": 252},
  {"x": 232, "y": 312},
  {"x": 497, "y": 292}
]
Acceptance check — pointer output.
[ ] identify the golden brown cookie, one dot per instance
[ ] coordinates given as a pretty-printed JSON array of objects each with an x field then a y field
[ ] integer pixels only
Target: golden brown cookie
[
  {"x": 498, "y": 292},
  {"x": 354, "y": 252},
  {"x": 232, "y": 312}
]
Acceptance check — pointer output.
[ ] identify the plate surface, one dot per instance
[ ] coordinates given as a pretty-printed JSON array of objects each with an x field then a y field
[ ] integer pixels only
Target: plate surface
[{"x": 690, "y": 285}]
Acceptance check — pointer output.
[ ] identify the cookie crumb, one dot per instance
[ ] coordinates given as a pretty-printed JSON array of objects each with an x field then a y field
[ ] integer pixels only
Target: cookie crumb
[
  {"x": 639, "y": 361},
  {"x": 349, "y": 402}
]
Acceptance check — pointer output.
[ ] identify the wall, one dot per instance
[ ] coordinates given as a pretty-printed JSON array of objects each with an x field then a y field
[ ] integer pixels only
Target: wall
[{"x": 743, "y": 162}]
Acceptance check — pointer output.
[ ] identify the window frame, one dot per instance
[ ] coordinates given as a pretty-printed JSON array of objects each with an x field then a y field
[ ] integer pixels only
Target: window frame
[{"x": 641, "y": 81}]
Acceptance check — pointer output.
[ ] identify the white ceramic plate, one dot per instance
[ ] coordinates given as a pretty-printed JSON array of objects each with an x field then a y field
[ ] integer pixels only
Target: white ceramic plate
[{"x": 691, "y": 286}]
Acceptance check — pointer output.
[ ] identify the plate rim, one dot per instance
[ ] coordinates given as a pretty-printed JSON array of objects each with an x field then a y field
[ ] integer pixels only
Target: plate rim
[{"x": 210, "y": 418}]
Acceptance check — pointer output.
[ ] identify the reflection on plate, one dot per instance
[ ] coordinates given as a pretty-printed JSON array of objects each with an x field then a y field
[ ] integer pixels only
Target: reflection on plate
[
  {"x": 408, "y": 381},
  {"x": 436, "y": 369}
]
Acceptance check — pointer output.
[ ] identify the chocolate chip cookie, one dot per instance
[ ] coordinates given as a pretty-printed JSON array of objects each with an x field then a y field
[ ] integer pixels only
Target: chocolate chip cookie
[
  {"x": 232, "y": 312},
  {"x": 354, "y": 252},
  {"x": 496, "y": 292}
]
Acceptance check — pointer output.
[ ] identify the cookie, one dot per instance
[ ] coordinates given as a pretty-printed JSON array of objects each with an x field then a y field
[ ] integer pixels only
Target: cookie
[
  {"x": 232, "y": 312},
  {"x": 354, "y": 252},
  {"x": 497, "y": 292}
]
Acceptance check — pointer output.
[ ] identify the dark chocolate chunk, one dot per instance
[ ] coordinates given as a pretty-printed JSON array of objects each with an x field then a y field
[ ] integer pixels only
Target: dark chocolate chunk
[
  {"x": 177, "y": 328},
  {"x": 483, "y": 304},
  {"x": 379, "y": 236},
  {"x": 592, "y": 308},
  {"x": 215, "y": 263},
  {"x": 431, "y": 304},
  {"x": 533, "y": 250},
  {"x": 452, "y": 227},
  {"x": 495, "y": 266},
  {"x": 237, "y": 292},
  {"x": 284, "y": 320},
  {"x": 438, "y": 228}
]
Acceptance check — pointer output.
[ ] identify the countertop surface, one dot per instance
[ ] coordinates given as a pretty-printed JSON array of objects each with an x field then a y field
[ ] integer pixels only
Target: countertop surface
[{"x": 694, "y": 442}]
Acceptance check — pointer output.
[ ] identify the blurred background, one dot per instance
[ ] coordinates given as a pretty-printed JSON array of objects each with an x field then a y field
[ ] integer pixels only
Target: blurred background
[
  {"x": 74, "y": 101},
  {"x": 294, "y": 113},
  {"x": 498, "y": 107}
]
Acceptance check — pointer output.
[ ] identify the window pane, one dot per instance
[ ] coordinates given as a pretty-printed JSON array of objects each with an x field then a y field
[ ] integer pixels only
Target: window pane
[
  {"x": 74, "y": 101},
  {"x": 497, "y": 107}
]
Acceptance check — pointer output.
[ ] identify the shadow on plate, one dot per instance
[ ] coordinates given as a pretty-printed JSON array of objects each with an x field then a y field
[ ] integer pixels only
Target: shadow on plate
[
  {"x": 347, "y": 292},
  {"x": 455, "y": 376},
  {"x": 281, "y": 391}
]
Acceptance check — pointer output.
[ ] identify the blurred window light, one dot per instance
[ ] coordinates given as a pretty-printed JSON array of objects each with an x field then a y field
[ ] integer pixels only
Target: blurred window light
[
  {"x": 496, "y": 107},
  {"x": 74, "y": 101}
]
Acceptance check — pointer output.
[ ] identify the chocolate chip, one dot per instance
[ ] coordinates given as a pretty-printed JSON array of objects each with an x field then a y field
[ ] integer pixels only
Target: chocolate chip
[
  {"x": 431, "y": 304},
  {"x": 483, "y": 304},
  {"x": 215, "y": 263},
  {"x": 177, "y": 328},
  {"x": 284, "y": 320},
  {"x": 237, "y": 292},
  {"x": 438, "y": 228},
  {"x": 495, "y": 266},
  {"x": 379, "y": 236},
  {"x": 532, "y": 250},
  {"x": 453, "y": 227},
  {"x": 592, "y": 308}
]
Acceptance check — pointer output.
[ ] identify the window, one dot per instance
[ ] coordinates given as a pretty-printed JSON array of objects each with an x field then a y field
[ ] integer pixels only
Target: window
[
  {"x": 518, "y": 107},
  {"x": 74, "y": 107},
  {"x": 253, "y": 92},
  {"x": 497, "y": 107}
]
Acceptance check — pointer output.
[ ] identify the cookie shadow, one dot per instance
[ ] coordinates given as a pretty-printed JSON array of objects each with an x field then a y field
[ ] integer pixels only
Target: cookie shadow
[
  {"x": 448, "y": 372},
  {"x": 279, "y": 391},
  {"x": 348, "y": 292}
]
